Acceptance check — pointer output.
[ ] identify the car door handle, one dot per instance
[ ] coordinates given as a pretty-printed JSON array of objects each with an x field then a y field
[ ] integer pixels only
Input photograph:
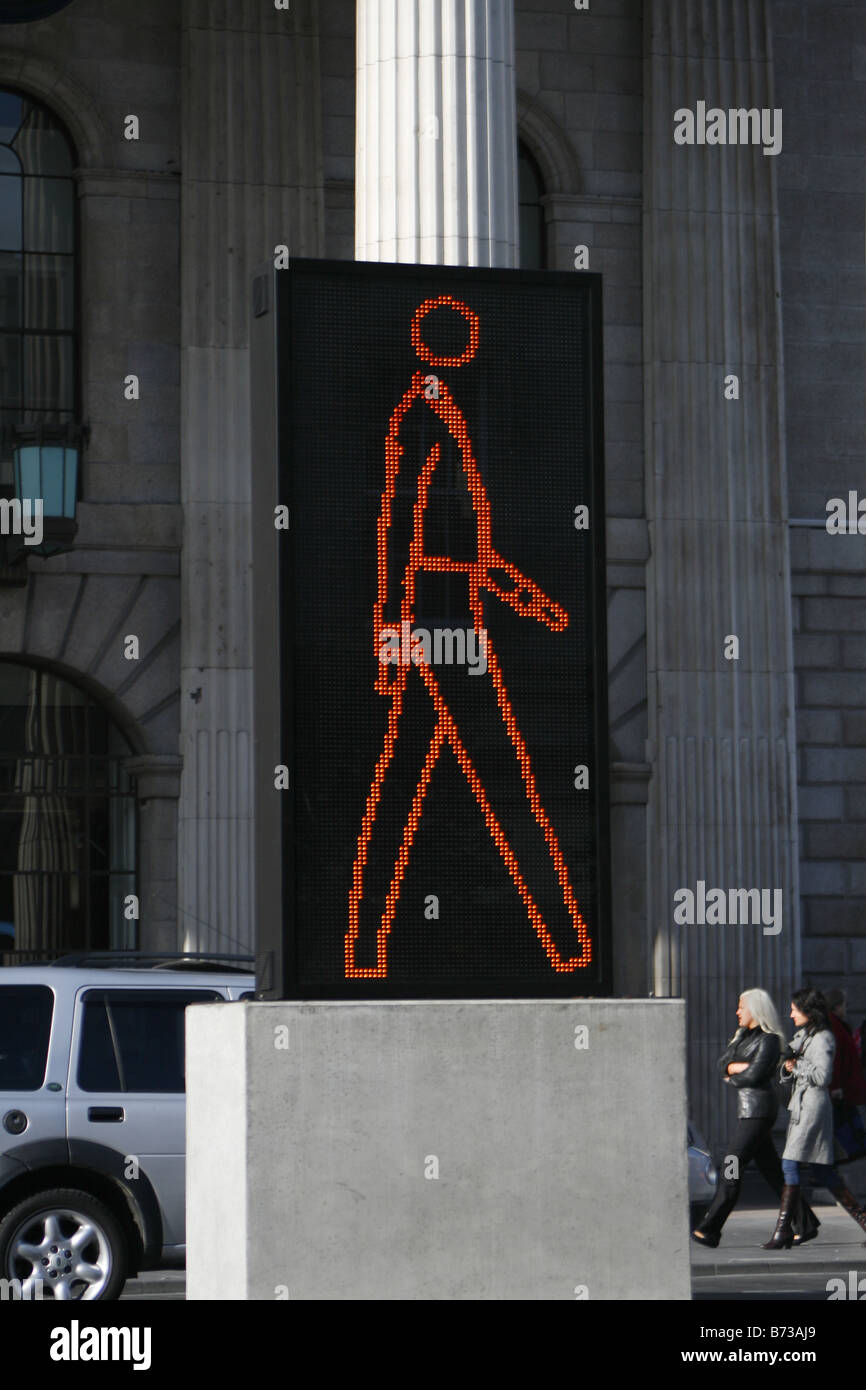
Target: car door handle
[{"x": 105, "y": 1114}]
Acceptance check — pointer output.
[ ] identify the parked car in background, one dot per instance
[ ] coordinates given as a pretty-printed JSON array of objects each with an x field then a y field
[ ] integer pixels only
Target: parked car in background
[
  {"x": 703, "y": 1174},
  {"x": 92, "y": 1117}
]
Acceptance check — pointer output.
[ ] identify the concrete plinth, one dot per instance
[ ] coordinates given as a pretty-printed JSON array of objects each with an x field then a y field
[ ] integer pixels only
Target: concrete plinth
[{"x": 437, "y": 1150}]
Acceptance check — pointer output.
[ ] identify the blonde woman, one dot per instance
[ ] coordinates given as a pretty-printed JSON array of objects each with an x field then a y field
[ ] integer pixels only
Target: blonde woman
[{"x": 750, "y": 1063}]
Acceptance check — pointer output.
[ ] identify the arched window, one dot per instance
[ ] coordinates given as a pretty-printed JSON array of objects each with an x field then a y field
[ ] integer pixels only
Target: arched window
[
  {"x": 533, "y": 234},
  {"x": 38, "y": 245},
  {"x": 67, "y": 818}
]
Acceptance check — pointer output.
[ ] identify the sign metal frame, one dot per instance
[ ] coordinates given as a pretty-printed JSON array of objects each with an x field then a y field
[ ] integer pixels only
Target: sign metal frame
[{"x": 272, "y": 403}]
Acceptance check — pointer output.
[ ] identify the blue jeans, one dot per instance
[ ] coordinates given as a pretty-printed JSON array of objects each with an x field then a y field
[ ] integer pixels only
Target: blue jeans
[{"x": 823, "y": 1174}]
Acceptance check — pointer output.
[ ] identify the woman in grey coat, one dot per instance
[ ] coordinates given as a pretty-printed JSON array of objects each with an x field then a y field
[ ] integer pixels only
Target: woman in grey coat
[
  {"x": 808, "y": 1066},
  {"x": 749, "y": 1065}
]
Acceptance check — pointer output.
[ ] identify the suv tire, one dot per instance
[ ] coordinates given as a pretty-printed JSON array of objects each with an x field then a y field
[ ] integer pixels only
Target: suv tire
[{"x": 73, "y": 1240}]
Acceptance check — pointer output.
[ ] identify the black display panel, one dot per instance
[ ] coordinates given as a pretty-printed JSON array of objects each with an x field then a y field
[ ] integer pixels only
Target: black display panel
[{"x": 441, "y": 632}]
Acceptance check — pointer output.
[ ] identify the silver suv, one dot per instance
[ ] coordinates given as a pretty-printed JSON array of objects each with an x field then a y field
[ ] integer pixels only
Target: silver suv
[{"x": 92, "y": 1119}]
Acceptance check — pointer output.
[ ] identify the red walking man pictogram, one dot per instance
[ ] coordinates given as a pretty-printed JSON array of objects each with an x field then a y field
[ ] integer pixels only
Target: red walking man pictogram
[{"x": 476, "y": 570}]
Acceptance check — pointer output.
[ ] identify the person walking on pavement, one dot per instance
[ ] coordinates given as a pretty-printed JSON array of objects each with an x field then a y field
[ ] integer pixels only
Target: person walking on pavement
[
  {"x": 847, "y": 1084},
  {"x": 435, "y": 556},
  {"x": 749, "y": 1063},
  {"x": 809, "y": 1068}
]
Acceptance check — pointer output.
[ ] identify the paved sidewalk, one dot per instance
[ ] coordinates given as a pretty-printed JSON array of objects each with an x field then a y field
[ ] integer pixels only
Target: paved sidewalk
[
  {"x": 159, "y": 1286},
  {"x": 838, "y": 1247}
]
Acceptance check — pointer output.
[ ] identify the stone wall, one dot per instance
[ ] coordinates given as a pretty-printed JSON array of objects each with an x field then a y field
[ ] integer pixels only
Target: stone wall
[
  {"x": 580, "y": 110},
  {"x": 93, "y": 70},
  {"x": 579, "y": 81},
  {"x": 820, "y": 67}
]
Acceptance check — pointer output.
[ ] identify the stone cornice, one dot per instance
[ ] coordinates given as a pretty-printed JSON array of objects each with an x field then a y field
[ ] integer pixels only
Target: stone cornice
[{"x": 128, "y": 183}]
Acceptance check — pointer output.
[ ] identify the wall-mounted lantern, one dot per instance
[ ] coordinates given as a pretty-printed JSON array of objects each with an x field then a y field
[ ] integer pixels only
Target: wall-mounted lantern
[{"x": 40, "y": 516}]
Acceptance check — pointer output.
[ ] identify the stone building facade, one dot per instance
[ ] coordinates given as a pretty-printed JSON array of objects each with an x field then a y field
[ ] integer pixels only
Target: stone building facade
[{"x": 716, "y": 262}]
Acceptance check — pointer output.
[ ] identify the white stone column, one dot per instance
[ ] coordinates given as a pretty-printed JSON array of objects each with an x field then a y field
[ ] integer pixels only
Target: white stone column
[
  {"x": 252, "y": 180},
  {"x": 722, "y": 803},
  {"x": 157, "y": 787},
  {"x": 436, "y": 133}
]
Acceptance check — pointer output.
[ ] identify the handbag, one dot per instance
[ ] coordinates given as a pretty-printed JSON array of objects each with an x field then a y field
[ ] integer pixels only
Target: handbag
[{"x": 849, "y": 1132}]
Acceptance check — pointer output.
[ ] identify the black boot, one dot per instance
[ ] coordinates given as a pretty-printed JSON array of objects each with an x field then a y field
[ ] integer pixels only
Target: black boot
[
  {"x": 807, "y": 1222},
  {"x": 708, "y": 1238},
  {"x": 782, "y": 1238},
  {"x": 846, "y": 1199},
  {"x": 709, "y": 1229}
]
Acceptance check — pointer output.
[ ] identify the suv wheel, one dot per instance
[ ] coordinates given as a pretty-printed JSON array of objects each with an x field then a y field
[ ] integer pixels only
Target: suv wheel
[{"x": 66, "y": 1240}]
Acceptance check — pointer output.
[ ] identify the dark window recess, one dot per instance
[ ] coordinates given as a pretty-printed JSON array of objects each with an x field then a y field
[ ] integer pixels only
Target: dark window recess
[
  {"x": 39, "y": 368},
  {"x": 533, "y": 230},
  {"x": 25, "y": 1027},
  {"x": 133, "y": 1040},
  {"x": 67, "y": 819}
]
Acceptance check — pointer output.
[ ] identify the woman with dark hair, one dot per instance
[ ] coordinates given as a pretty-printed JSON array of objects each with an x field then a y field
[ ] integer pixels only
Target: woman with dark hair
[
  {"x": 808, "y": 1065},
  {"x": 749, "y": 1064}
]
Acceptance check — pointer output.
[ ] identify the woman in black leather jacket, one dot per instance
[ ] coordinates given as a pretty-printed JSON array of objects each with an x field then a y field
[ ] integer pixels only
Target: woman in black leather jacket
[{"x": 750, "y": 1063}]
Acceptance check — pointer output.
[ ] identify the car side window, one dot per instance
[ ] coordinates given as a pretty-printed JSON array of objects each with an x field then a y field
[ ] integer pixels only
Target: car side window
[
  {"x": 133, "y": 1040},
  {"x": 25, "y": 1027}
]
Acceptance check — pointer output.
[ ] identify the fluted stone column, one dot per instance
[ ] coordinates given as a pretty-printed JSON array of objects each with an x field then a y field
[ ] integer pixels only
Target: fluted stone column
[
  {"x": 157, "y": 787},
  {"x": 722, "y": 802},
  {"x": 252, "y": 180},
  {"x": 436, "y": 141}
]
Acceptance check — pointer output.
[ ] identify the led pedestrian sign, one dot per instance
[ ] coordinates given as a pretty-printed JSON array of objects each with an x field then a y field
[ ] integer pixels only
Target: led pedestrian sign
[{"x": 439, "y": 710}]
